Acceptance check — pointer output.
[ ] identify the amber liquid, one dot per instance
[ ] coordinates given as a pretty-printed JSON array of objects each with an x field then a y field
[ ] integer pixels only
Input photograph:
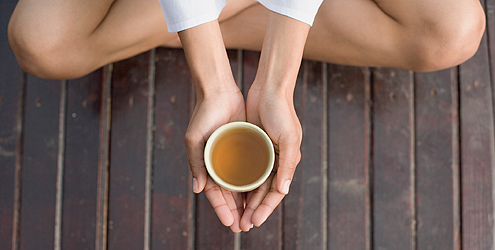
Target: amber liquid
[{"x": 240, "y": 156}]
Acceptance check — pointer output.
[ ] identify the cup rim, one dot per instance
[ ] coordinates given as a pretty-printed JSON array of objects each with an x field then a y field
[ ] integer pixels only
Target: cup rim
[{"x": 207, "y": 156}]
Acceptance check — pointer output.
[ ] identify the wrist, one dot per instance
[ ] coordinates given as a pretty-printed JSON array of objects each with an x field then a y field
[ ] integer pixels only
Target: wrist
[
  {"x": 281, "y": 54},
  {"x": 207, "y": 59}
]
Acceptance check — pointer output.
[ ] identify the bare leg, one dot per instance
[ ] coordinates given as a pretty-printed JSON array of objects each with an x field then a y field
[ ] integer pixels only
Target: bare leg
[
  {"x": 418, "y": 35},
  {"x": 68, "y": 39}
]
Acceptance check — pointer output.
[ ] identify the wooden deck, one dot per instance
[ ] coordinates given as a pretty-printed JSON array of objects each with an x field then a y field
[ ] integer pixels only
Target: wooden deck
[{"x": 392, "y": 159}]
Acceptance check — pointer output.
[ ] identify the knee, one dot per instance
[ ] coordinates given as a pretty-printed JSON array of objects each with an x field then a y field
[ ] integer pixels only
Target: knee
[
  {"x": 44, "y": 53},
  {"x": 449, "y": 42}
]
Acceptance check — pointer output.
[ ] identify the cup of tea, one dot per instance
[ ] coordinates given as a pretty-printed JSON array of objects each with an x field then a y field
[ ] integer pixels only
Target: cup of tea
[{"x": 239, "y": 156}]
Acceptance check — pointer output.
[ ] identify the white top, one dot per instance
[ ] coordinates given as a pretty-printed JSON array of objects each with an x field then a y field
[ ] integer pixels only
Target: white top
[{"x": 185, "y": 14}]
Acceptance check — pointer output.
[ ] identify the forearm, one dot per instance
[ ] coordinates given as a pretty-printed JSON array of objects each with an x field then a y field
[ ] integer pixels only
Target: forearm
[
  {"x": 282, "y": 52},
  {"x": 207, "y": 58}
]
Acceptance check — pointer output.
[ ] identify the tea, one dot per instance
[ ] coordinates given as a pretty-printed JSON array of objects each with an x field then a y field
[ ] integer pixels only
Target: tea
[{"x": 240, "y": 156}]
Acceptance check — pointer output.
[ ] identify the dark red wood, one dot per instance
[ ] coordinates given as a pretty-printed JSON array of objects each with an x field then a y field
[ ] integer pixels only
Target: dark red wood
[
  {"x": 435, "y": 117},
  {"x": 347, "y": 170},
  {"x": 268, "y": 236},
  {"x": 81, "y": 161},
  {"x": 477, "y": 151},
  {"x": 304, "y": 207},
  {"x": 128, "y": 153},
  {"x": 9, "y": 127},
  {"x": 172, "y": 185},
  {"x": 393, "y": 206},
  {"x": 41, "y": 131}
]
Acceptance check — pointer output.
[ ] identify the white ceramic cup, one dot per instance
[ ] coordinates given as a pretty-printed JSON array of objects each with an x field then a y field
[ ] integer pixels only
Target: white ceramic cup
[{"x": 233, "y": 126}]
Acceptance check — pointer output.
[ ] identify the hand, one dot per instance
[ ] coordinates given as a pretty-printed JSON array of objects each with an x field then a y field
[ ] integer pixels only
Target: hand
[
  {"x": 212, "y": 111},
  {"x": 273, "y": 110},
  {"x": 218, "y": 101}
]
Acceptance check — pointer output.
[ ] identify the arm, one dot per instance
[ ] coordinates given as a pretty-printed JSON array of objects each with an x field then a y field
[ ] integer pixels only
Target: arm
[
  {"x": 218, "y": 101},
  {"x": 270, "y": 105},
  {"x": 207, "y": 59}
]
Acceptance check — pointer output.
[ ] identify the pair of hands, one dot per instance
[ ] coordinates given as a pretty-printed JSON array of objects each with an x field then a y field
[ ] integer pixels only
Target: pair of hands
[
  {"x": 269, "y": 105},
  {"x": 271, "y": 110}
]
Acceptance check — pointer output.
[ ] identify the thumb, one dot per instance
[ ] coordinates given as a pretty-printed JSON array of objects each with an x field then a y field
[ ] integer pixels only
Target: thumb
[
  {"x": 195, "y": 145},
  {"x": 289, "y": 157}
]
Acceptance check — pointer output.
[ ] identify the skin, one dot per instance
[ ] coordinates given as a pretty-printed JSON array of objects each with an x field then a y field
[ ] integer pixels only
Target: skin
[
  {"x": 269, "y": 105},
  {"x": 77, "y": 37}
]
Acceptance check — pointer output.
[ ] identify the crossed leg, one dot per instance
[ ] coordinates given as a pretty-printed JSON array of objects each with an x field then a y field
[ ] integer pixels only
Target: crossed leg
[
  {"x": 420, "y": 35},
  {"x": 68, "y": 39}
]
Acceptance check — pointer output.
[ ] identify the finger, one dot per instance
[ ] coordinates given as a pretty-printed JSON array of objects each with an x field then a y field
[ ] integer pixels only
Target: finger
[
  {"x": 235, "y": 202},
  {"x": 270, "y": 202},
  {"x": 195, "y": 144},
  {"x": 254, "y": 199},
  {"x": 289, "y": 157},
  {"x": 217, "y": 200}
]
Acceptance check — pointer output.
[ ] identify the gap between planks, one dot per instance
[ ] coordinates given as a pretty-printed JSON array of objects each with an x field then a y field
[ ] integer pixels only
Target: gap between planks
[
  {"x": 368, "y": 147},
  {"x": 60, "y": 165},
  {"x": 412, "y": 161},
  {"x": 456, "y": 172},
  {"x": 150, "y": 124},
  {"x": 488, "y": 5},
  {"x": 104, "y": 162},
  {"x": 18, "y": 161},
  {"x": 324, "y": 160}
]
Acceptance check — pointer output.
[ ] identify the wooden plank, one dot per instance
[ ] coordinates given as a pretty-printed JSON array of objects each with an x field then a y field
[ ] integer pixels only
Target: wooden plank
[
  {"x": 347, "y": 170},
  {"x": 128, "y": 153},
  {"x": 9, "y": 127},
  {"x": 436, "y": 111},
  {"x": 477, "y": 151},
  {"x": 40, "y": 164},
  {"x": 393, "y": 192},
  {"x": 304, "y": 209},
  {"x": 171, "y": 183},
  {"x": 81, "y": 161},
  {"x": 268, "y": 236}
]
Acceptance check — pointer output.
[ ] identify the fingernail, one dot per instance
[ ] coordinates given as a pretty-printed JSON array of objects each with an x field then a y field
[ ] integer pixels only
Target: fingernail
[
  {"x": 195, "y": 185},
  {"x": 285, "y": 187},
  {"x": 252, "y": 225}
]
